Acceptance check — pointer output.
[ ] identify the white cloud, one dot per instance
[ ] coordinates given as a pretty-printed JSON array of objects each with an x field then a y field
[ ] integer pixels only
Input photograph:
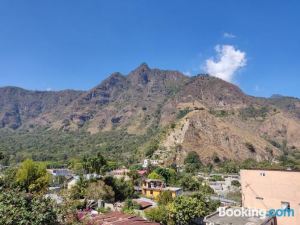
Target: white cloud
[
  {"x": 228, "y": 61},
  {"x": 228, "y": 35},
  {"x": 187, "y": 73},
  {"x": 49, "y": 89}
]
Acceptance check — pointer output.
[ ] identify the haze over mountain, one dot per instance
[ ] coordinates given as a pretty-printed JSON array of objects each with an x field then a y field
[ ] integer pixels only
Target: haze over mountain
[{"x": 168, "y": 113}]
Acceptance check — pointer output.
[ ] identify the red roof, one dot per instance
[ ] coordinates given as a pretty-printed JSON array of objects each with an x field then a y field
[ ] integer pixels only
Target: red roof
[
  {"x": 143, "y": 204},
  {"x": 118, "y": 218},
  {"x": 142, "y": 172}
]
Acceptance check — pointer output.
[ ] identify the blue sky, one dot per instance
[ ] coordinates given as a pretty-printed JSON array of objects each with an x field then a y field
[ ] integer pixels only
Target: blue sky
[{"x": 62, "y": 44}]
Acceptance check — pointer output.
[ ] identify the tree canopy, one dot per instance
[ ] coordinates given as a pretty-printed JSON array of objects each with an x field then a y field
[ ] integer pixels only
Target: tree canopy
[
  {"x": 23, "y": 208},
  {"x": 32, "y": 176}
]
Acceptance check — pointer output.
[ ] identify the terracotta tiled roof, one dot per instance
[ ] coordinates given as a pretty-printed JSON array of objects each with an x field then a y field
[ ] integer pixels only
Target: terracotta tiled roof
[
  {"x": 143, "y": 204},
  {"x": 118, "y": 218}
]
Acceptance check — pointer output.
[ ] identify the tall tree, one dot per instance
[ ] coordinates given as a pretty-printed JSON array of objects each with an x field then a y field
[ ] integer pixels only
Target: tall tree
[
  {"x": 32, "y": 176},
  {"x": 99, "y": 190}
]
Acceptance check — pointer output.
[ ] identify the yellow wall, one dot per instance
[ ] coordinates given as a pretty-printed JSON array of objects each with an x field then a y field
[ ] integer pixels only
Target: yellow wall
[
  {"x": 173, "y": 194},
  {"x": 156, "y": 193}
]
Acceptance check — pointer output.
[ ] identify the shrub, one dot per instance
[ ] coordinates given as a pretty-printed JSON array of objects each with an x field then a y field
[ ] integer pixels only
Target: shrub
[
  {"x": 158, "y": 214},
  {"x": 250, "y": 147},
  {"x": 182, "y": 113},
  {"x": 235, "y": 183}
]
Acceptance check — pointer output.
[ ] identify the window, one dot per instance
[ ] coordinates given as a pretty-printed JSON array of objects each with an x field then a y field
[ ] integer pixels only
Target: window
[
  {"x": 263, "y": 174},
  {"x": 151, "y": 192},
  {"x": 259, "y": 198}
]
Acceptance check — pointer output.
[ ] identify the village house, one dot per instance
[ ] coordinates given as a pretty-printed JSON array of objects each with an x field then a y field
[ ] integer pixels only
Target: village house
[
  {"x": 152, "y": 188},
  {"x": 120, "y": 174},
  {"x": 60, "y": 172}
]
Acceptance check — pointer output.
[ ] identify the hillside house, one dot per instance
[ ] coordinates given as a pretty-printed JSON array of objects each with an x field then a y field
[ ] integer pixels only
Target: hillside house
[{"x": 152, "y": 188}]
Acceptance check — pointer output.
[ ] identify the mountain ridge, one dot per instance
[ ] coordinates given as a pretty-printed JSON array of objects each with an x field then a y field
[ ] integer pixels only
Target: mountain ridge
[{"x": 200, "y": 113}]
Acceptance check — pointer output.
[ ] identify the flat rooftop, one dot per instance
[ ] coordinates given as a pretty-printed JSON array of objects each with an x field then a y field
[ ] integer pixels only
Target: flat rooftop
[
  {"x": 277, "y": 170},
  {"x": 226, "y": 220}
]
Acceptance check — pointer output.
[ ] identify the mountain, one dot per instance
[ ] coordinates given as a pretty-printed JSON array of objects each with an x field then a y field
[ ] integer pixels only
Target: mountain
[{"x": 159, "y": 113}]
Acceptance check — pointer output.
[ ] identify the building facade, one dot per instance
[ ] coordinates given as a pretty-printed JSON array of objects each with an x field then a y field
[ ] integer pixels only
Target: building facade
[
  {"x": 273, "y": 189},
  {"x": 152, "y": 188}
]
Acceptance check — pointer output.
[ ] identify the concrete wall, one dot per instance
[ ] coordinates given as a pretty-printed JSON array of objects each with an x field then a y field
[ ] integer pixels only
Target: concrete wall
[{"x": 267, "y": 189}]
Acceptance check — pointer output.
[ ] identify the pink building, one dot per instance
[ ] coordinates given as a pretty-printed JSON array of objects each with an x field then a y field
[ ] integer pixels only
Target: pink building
[{"x": 273, "y": 189}]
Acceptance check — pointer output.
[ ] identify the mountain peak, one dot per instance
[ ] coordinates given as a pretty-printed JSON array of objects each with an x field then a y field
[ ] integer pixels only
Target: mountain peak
[
  {"x": 140, "y": 75},
  {"x": 142, "y": 68}
]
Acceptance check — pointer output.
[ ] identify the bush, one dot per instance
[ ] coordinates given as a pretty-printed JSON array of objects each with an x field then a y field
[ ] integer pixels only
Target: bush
[
  {"x": 235, "y": 183},
  {"x": 216, "y": 178},
  {"x": 165, "y": 198},
  {"x": 154, "y": 175},
  {"x": 219, "y": 113},
  {"x": 250, "y": 147},
  {"x": 182, "y": 113},
  {"x": 130, "y": 206},
  {"x": 192, "y": 162},
  {"x": 158, "y": 214},
  {"x": 152, "y": 147},
  {"x": 103, "y": 210}
]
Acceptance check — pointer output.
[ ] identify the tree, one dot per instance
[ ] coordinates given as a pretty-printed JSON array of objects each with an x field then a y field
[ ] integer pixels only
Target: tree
[
  {"x": 22, "y": 208},
  {"x": 192, "y": 158},
  {"x": 184, "y": 209},
  {"x": 99, "y": 190},
  {"x": 94, "y": 164},
  {"x": 169, "y": 175},
  {"x": 192, "y": 162},
  {"x": 32, "y": 176},
  {"x": 206, "y": 189},
  {"x": 122, "y": 189},
  {"x": 135, "y": 177},
  {"x": 229, "y": 167},
  {"x": 78, "y": 191},
  {"x": 188, "y": 183},
  {"x": 155, "y": 175},
  {"x": 97, "y": 163},
  {"x": 158, "y": 214}
]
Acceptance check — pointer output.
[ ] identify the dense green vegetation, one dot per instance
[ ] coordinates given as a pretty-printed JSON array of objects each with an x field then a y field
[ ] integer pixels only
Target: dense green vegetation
[
  {"x": 52, "y": 145},
  {"x": 22, "y": 208},
  {"x": 192, "y": 162},
  {"x": 32, "y": 176},
  {"x": 182, "y": 210}
]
